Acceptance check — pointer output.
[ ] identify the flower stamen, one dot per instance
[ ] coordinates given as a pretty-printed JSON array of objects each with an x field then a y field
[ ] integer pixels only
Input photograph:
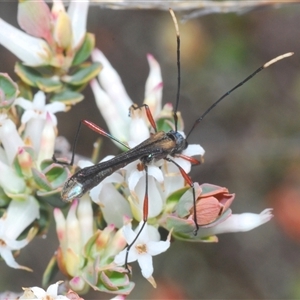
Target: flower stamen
[{"x": 141, "y": 248}]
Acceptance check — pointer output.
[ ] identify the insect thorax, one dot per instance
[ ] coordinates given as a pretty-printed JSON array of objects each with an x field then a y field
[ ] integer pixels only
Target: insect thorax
[{"x": 180, "y": 142}]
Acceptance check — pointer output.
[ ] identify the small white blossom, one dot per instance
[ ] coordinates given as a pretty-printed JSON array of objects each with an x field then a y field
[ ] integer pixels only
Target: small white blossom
[
  {"x": 38, "y": 108},
  {"x": 111, "y": 82},
  {"x": 9, "y": 138},
  {"x": 18, "y": 216},
  {"x": 106, "y": 195},
  {"x": 238, "y": 223},
  {"x": 73, "y": 232},
  {"x": 154, "y": 86},
  {"x": 137, "y": 185},
  {"x": 38, "y": 293},
  {"x": 146, "y": 246},
  {"x": 114, "y": 102},
  {"x": 31, "y": 50},
  {"x": 35, "y": 115},
  {"x": 78, "y": 11}
]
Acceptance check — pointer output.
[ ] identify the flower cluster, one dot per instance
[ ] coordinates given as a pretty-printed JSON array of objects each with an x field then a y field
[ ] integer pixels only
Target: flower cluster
[{"x": 94, "y": 235}]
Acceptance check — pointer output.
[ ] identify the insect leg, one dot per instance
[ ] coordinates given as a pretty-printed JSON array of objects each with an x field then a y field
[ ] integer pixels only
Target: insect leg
[
  {"x": 145, "y": 218},
  {"x": 93, "y": 127},
  {"x": 148, "y": 112},
  {"x": 191, "y": 184},
  {"x": 192, "y": 160}
]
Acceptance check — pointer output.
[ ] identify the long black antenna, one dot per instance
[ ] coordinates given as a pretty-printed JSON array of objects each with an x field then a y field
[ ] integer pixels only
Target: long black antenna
[
  {"x": 266, "y": 65},
  {"x": 178, "y": 68}
]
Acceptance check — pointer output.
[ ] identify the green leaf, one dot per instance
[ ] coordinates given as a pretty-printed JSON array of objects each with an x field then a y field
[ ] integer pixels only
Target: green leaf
[
  {"x": 113, "y": 282},
  {"x": 53, "y": 198},
  {"x": 68, "y": 97},
  {"x": 182, "y": 226},
  {"x": 50, "y": 272},
  {"x": 185, "y": 204},
  {"x": 56, "y": 175},
  {"x": 25, "y": 91},
  {"x": 211, "y": 189},
  {"x": 43, "y": 221},
  {"x": 175, "y": 196},
  {"x": 85, "y": 50},
  {"x": 8, "y": 88},
  {"x": 16, "y": 163},
  {"x": 4, "y": 200},
  {"x": 84, "y": 74},
  {"x": 187, "y": 238},
  {"x": 41, "y": 180},
  {"x": 34, "y": 78}
]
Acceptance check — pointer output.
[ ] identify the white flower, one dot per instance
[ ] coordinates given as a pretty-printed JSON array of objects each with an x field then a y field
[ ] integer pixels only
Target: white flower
[
  {"x": 154, "y": 86},
  {"x": 43, "y": 27},
  {"x": 113, "y": 205},
  {"x": 137, "y": 185},
  {"x": 113, "y": 86},
  {"x": 47, "y": 141},
  {"x": 73, "y": 232},
  {"x": 31, "y": 50},
  {"x": 146, "y": 246},
  {"x": 114, "y": 102},
  {"x": 110, "y": 112},
  {"x": 19, "y": 215},
  {"x": 78, "y": 11},
  {"x": 35, "y": 115},
  {"x": 11, "y": 182},
  {"x": 38, "y": 108},
  {"x": 238, "y": 222},
  {"x": 10, "y": 138},
  {"x": 38, "y": 293}
]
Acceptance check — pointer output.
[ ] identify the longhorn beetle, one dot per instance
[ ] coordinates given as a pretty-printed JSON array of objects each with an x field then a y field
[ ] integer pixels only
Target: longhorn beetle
[{"x": 160, "y": 145}]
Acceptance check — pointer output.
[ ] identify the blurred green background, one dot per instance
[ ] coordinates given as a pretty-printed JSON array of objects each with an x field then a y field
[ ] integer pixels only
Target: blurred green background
[{"x": 252, "y": 143}]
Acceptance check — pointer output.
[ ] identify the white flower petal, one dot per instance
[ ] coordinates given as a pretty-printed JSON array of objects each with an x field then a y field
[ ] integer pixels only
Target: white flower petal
[
  {"x": 112, "y": 84},
  {"x": 121, "y": 257},
  {"x": 153, "y": 90},
  {"x": 33, "y": 131},
  {"x": 134, "y": 178},
  {"x": 26, "y": 104},
  {"x": 238, "y": 222},
  {"x": 156, "y": 173},
  {"x": 38, "y": 292},
  {"x": 119, "y": 127},
  {"x": 53, "y": 288},
  {"x": 16, "y": 245},
  {"x": 154, "y": 196},
  {"x": 39, "y": 101},
  {"x": 128, "y": 233},
  {"x": 113, "y": 205},
  {"x": 153, "y": 233},
  {"x": 85, "y": 218},
  {"x": 138, "y": 131},
  {"x": 9, "y": 259},
  {"x": 155, "y": 248},
  {"x": 47, "y": 142},
  {"x": 183, "y": 163},
  {"x": 55, "y": 107},
  {"x": 146, "y": 264},
  {"x": 193, "y": 150},
  {"x": 20, "y": 214},
  {"x": 84, "y": 163},
  {"x": 77, "y": 12},
  {"x": 32, "y": 51},
  {"x": 11, "y": 182},
  {"x": 113, "y": 178},
  {"x": 28, "y": 115},
  {"x": 10, "y": 139}
]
